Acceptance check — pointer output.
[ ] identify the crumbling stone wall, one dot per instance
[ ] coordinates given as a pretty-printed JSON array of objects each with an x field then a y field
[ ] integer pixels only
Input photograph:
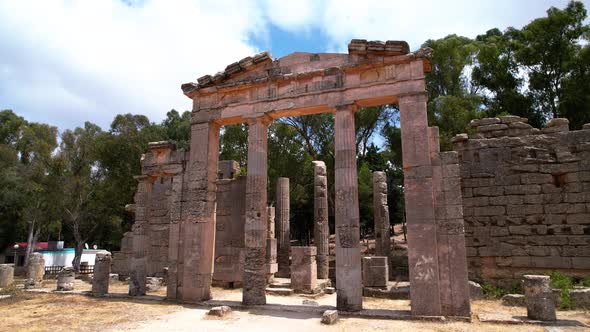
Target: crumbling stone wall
[
  {"x": 526, "y": 197},
  {"x": 229, "y": 235},
  {"x": 162, "y": 165}
]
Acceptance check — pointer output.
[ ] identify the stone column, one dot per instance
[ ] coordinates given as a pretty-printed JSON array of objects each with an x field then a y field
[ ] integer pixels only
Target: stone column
[
  {"x": 304, "y": 270},
  {"x": 102, "y": 270},
  {"x": 540, "y": 303},
  {"x": 175, "y": 212},
  {"x": 138, "y": 271},
  {"x": 450, "y": 233},
  {"x": 381, "y": 215},
  {"x": 197, "y": 228},
  {"x": 282, "y": 227},
  {"x": 65, "y": 279},
  {"x": 321, "y": 230},
  {"x": 35, "y": 271},
  {"x": 254, "y": 281},
  {"x": 348, "y": 253},
  {"x": 419, "y": 205},
  {"x": 6, "y": 275},
  {"x": 271, "y": 246}
]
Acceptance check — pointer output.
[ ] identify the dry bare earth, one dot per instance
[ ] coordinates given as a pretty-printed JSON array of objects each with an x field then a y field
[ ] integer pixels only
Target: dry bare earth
[{"x": 42, "y": 312}]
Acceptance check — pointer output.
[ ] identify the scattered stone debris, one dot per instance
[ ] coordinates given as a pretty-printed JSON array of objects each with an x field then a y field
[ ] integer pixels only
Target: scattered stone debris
[
  {"x": 329, "y": 317},
  {"x": 220, "y": 311},
  {"x": 329, "y": 290}
]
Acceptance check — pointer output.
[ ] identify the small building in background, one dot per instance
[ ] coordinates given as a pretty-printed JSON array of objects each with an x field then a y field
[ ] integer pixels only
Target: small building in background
[{"x": 55, "y": 255}]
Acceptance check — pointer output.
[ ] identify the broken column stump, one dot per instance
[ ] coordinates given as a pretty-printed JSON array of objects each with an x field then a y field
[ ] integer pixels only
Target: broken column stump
[
  {"x": 540, "y": 303},
  {"x": 6, "y": 275},
  {"x": 304, "y": 269},
  {"x": 375, "y": 271},
  {"x": 102, "y": 269},
  {"x": 65, "y": 279},
  {"x": 35, "y": 271}
]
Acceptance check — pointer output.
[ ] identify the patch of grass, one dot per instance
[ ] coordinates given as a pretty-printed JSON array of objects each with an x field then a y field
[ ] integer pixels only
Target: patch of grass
[
  {"x": 493, "y": 292},
  {"x": 565, "y": 284},
  {"x": 584, "y": 282}
]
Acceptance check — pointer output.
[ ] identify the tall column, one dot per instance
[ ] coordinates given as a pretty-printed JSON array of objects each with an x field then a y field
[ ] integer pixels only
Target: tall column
[
  {"x": 175, "y": 212},
  {"x": 254, "y": 281},
  {"x": 381, "y": 215},
  {"x": 102, "y": 271},
  {"x": 419, "y": 205},
  {"x": 197, "y": 244},
  {"x": 138, "y": 271},
  {"x": 348, "y": 253},
  {"x": 282, "y": 227},
  {"x": 321, "y": 230}
]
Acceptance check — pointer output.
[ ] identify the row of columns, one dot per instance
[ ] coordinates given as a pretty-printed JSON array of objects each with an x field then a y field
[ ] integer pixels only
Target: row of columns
[{"x": 196, "y": 229}]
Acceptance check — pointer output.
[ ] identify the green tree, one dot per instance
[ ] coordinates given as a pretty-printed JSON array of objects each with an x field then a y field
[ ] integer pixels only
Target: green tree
[
  {"x": 496, "y": 73},
  {"x": 81, "y": 180},
  {"x": 549, "y": 47}
]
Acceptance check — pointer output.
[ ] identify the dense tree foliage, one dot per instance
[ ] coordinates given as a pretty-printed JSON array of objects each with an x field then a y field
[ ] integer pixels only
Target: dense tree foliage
[{"x": 76, "y": 187}]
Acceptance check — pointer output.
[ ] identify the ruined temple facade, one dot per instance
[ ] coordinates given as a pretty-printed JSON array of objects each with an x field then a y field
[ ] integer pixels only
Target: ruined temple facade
[
  {"x": 526, "y": 198},
  {"x": 258, "y": 90}
]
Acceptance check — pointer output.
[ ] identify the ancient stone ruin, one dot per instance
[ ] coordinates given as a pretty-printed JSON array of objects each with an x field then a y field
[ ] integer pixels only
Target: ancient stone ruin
[
  {"x": 526, "y": 199},
  {"x": 180, "y": 206}
]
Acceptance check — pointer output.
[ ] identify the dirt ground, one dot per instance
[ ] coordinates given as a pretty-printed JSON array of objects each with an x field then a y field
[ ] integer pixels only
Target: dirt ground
[{"x": 42, "y": 312}]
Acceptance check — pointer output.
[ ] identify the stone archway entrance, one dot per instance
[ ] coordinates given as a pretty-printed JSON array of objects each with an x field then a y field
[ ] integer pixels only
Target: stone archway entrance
[{"x": 259, "y": 90}]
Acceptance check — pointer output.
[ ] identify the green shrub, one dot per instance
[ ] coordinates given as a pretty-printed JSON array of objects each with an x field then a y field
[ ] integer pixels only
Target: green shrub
[{"x": 565, "y": 284}]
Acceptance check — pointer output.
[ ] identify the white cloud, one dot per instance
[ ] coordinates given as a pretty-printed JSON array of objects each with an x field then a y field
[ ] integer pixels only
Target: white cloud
[{"x": 65, "y": 62}]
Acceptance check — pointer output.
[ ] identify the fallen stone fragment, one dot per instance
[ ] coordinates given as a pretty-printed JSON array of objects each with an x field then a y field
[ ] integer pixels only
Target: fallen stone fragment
[
  {"x": 475, "y": 291},
  {"x": 329, "y": 290},
  {"x": 219, "y": 311},
  {"x": 329, "y": 317},
  {"x": 513, "y": 300}
]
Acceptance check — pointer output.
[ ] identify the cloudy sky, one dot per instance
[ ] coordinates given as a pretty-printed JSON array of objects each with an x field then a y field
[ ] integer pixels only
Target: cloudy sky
[{"x": 66, "y": 62}]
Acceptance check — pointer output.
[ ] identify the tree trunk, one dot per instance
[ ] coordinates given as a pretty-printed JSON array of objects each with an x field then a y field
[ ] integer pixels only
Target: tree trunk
[
  {"x": 31, "y": 241},
  {"x": 78, "y": 255}
]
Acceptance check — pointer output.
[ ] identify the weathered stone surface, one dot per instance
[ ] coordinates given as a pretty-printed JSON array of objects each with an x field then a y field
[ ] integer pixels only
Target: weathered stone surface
[
  {"x": 321, "y": 228},
  {"x": 329, "y": 317},
  {"x": 153, "y": 284},
  {"x": 65, "y": 279},
  {"x": 375, "y": 271},
  {"x": 539, "y": 298},
  {"x": 475, "y": 291},
  {"x": 521, "y": 188},
  {"x": 6, "y": 275},
  {"x": 304, "y": 269},
  {"x": 514, "y": 300},
  {"x": 381, "y": 215},
  {"x": 35, "y": 271},
  {"x": 282, "y": 227},
  {"x": 419, "y": 206},
  {"x": 348, "y": 254},
  {"x": 102, "y": 270},
  {"x": 255, "y": 275},
  {"x": 220, "y": 311}
]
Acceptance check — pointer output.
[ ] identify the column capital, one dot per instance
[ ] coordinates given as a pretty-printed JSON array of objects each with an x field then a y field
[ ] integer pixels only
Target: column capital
[
  {"x": 352, "y": 106},
  {"x": 264, "y": 119},
  {"x": 413, "y": 97}
]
